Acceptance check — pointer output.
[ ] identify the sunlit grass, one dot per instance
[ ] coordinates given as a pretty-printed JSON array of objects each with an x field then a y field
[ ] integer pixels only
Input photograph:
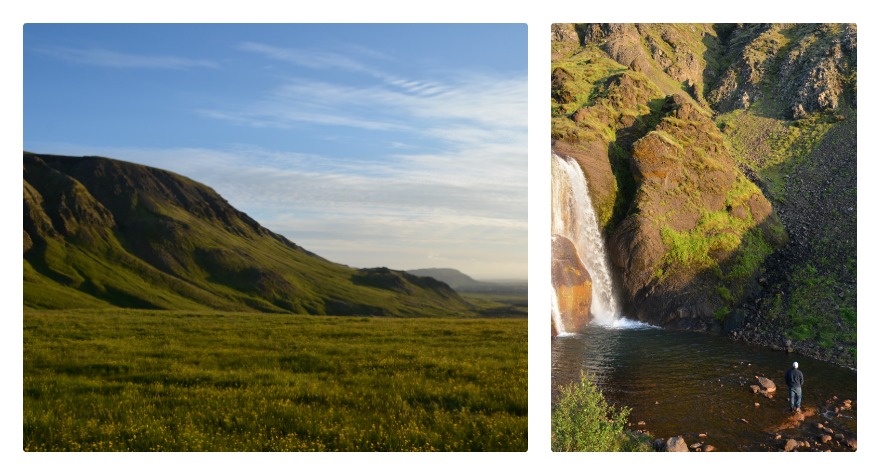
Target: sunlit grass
[{"x": 171, "y": 381}]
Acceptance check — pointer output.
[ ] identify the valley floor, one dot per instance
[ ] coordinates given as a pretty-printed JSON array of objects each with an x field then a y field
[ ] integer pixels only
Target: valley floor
[{"x": 172, "y": 381}]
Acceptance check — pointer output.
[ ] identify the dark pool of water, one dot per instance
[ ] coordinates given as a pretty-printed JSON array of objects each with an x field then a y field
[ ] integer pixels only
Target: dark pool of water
[{"x": 689, "y": 384}]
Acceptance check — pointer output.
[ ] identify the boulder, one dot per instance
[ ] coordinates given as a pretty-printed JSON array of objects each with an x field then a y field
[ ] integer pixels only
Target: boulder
[
  {"x": 766, "y": 383},
  {"x": 572, "y": 284},
  {"x": 676, "y": 444},
  {"x": 791, "y": 445}
]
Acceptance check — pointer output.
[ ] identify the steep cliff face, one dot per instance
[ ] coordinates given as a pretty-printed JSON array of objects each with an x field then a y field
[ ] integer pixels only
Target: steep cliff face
[
  {"x": 700, "y": 224},
  {"x": 695, "y": 139},
  {"x": 100, "y": 232}
]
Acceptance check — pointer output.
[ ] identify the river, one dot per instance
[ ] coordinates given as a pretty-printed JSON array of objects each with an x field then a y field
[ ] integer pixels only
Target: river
[{"x": 688, "y": 384}]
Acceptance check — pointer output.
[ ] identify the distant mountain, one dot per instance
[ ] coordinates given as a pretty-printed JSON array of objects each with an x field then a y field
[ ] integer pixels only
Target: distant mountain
[
  {"x": 461, "y": 282},
  {"x": 100, "y": 232},
  {"x": 453, "y": 277}
]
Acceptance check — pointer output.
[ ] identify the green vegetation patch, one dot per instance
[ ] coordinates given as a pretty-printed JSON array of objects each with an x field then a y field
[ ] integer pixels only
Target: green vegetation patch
[
  {"x": 772, "y": 147},
  {"x": 810, "y": 311},
  {"x": 120, "y": 380},
  {"x": 732, "y": 248},
  {"x": 582, "y": 421}
]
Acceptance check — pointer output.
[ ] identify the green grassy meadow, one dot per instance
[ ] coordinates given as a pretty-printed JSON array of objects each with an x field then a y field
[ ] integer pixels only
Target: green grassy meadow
[{"x": 142, "y": 380}]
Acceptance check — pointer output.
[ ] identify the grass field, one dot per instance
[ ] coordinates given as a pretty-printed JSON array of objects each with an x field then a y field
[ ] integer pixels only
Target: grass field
[{"x": 172, "y": 381}]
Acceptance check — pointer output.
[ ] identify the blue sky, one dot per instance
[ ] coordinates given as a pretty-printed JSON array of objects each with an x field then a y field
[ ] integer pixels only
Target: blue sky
[{"x": 372, "y": 145}]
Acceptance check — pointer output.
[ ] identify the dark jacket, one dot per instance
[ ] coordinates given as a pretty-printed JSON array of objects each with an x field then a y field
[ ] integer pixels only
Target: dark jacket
[{"x": 794, "y": 378}]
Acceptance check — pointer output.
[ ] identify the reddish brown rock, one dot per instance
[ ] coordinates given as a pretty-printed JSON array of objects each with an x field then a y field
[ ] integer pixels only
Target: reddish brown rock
[
  {"x": 572, "y": 284},
  {"x": 766, "y": 383},
  {"x": 657, "y": 157},
  {"x": 791, "y": 445}
]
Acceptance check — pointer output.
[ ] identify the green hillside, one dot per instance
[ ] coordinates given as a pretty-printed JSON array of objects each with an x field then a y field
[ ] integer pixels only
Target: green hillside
[{"x": 105, "y": 233}]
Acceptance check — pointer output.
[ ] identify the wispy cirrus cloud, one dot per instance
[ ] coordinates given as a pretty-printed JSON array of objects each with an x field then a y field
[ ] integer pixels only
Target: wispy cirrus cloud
[
  {"x": 323, "y": 59},
  {"x": 470, "y": 112},
  {"x": 115, "y": 59}
]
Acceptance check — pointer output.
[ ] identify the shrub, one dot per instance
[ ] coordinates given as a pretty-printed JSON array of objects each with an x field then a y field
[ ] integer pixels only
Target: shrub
[{"x": 582, "y": 421}]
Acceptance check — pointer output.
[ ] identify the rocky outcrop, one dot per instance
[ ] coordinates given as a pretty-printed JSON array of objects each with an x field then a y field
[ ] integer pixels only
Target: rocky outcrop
[
  {"x": 564, "y": 32},
  {"x": 572, "y": 284},
  {"x": 691, "y": 210},
  {"x": 804, "y": 67}
]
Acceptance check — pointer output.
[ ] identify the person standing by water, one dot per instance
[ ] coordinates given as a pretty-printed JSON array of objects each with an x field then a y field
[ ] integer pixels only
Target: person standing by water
[{"x": 794, "y": 379}]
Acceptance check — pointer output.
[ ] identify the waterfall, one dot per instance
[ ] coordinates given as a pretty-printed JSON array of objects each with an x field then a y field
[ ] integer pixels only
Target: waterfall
[
  {"x": 573, "y": 217},
  {"x": 555, "y": 313}
]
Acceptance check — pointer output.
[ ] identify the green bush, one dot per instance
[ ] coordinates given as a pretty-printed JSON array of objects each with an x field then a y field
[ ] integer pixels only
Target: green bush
[{"x": 582, "y": 421}]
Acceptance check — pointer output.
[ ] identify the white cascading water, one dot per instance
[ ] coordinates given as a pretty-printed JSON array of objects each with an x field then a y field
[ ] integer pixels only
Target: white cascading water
[
  {"x": 556, "y": 314},
  {"x": 573, "y": 217}
]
